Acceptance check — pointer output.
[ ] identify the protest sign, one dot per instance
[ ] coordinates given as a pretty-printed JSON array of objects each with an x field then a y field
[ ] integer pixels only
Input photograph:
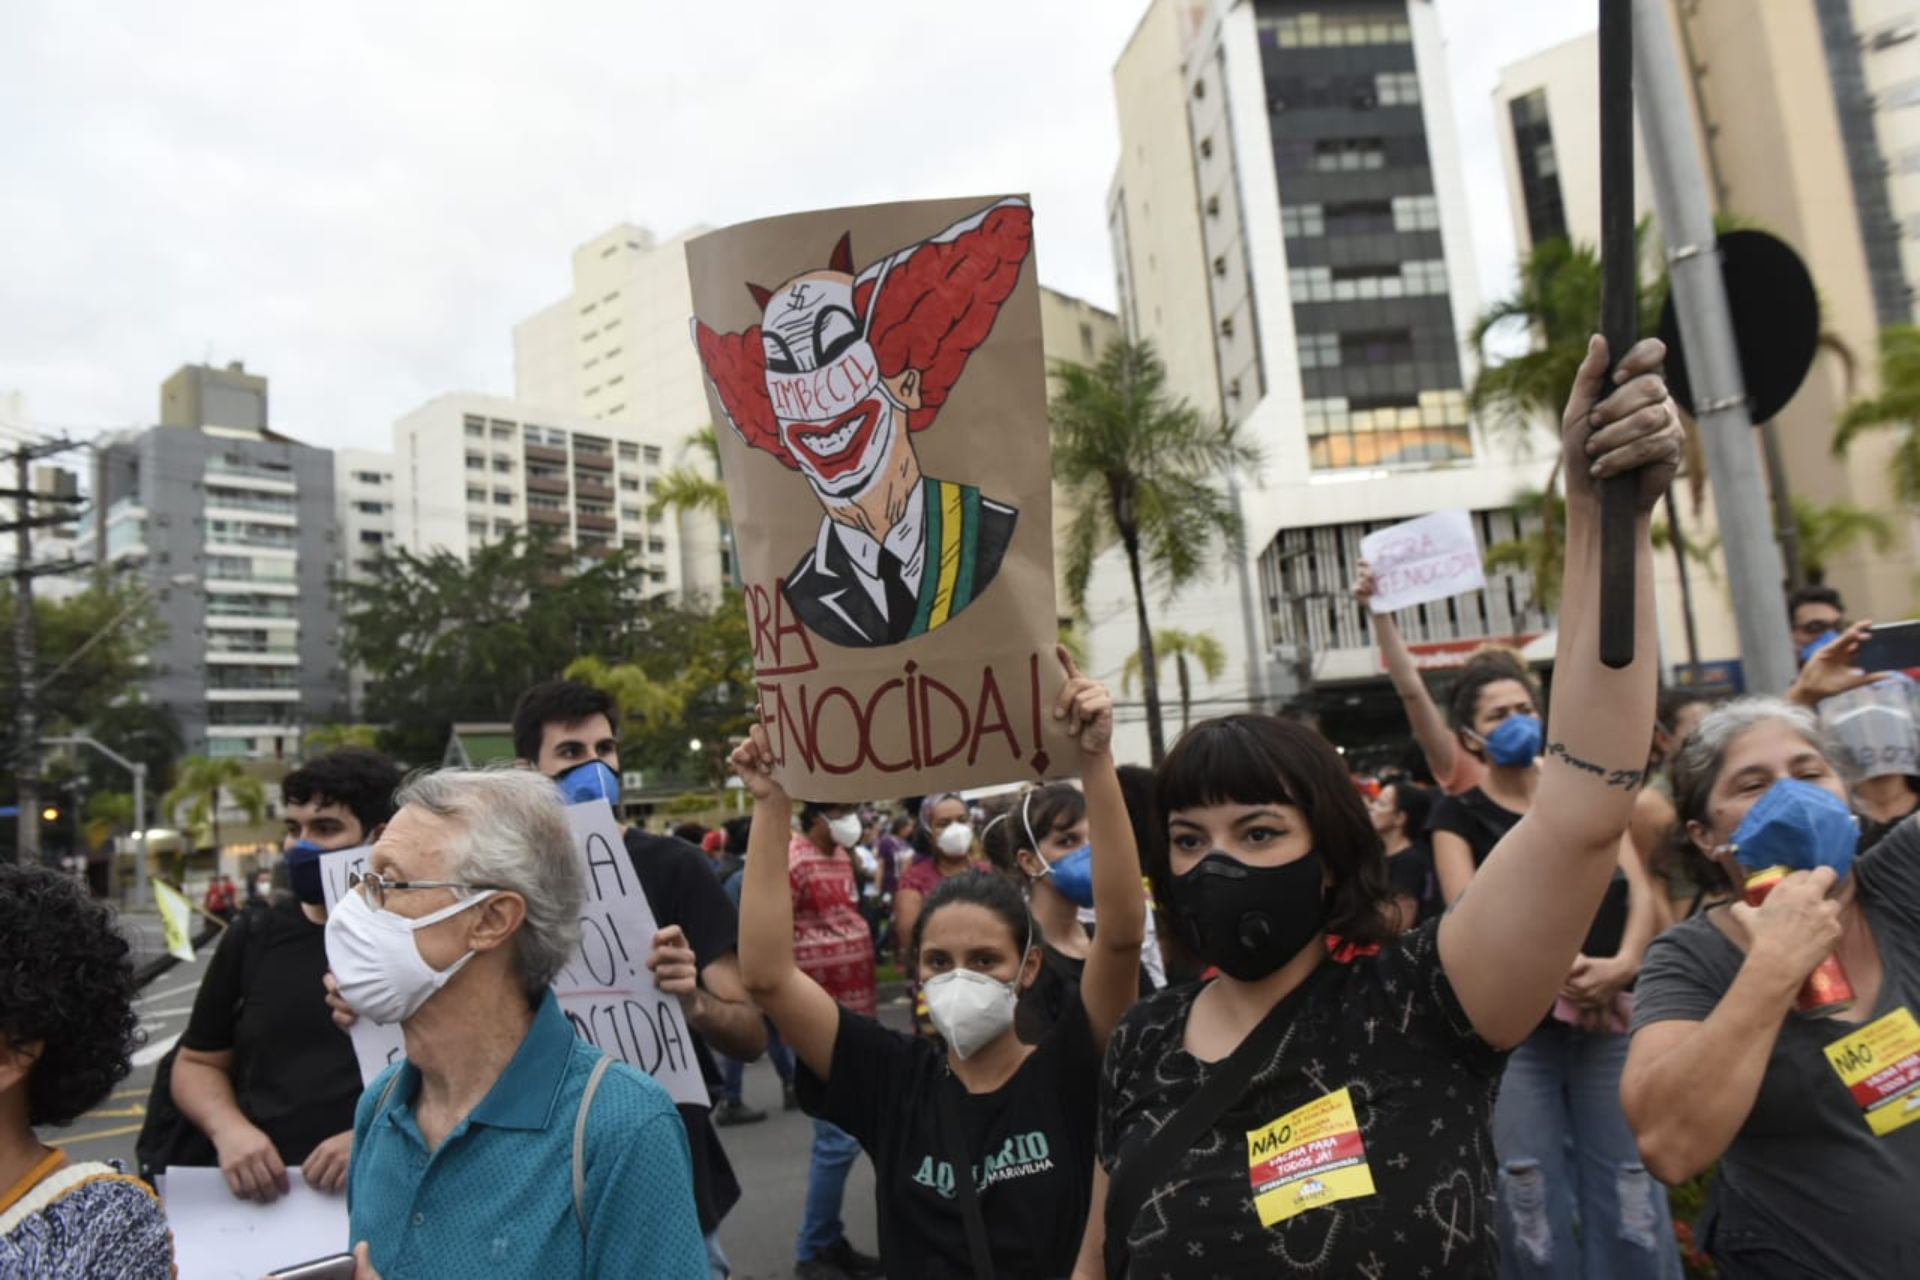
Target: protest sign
[
  {"x": 176, "y": 919},
  {"x": 883, "y": 395},
  {"x": 374, "y": 1046},
  {"x": 219, "y": 1237},
  {"x": 606, "y": 990},
  {"x": 1429, "y": 558}
]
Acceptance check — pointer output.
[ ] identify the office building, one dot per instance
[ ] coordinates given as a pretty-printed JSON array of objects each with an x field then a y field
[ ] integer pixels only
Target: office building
[
  {"x": 232, "y": 527},
  {"x": 364, "y": 498},
  {"x": 470, "y": 468},
  {"x": 1290, "y": 231}
]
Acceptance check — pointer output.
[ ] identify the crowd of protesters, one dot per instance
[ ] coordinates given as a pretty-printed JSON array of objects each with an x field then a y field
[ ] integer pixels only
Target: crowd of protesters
[{"x": 1244, "y": 1014}]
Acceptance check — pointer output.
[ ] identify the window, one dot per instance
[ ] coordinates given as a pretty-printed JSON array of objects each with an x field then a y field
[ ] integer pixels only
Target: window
[
  {"x": 1297, "y": 220},
  {"x": 503, "y": 526},
  {"x": 629, "y": 452},
  {"x": 1330, "y": 30},
  {"x": 476, "y": 427},
  {"x": 1213, "y": 206},
  {"x": 1220, "y": 265},
  {"x": 476, "y": 495},
  {"x": 1348, "y": 155},
  {"x": 1319, "y": 350},
  {"x": 1397, "y": 89},
  {"x": 1416, "y": 213},
  {"x": 369, "y": 477},
  {"x": 544, "y": 502},
  {"x": 657, "y": 576},
  {"x": 657, "y": 546},
  {"x": 652, "y": 454},
  {"x": 1226, "y": 326},
  {"x": 614, "y": 352},
  {"x": 503, "y": 466},
  {"x": 631, "y": 515},
  {"x": 616, "y": 410},
  {"x": 630, "y": 483},
  {"x": 477, "y": 528},
  {"x": 372, "y": 537},
  {"x": 476, "y": 462},
  {"x": 502, "y": 430},
  {"x": 610, "y": 326},
  {"x": 502, "y": 498},
  {"x": 370, "y": 508},
  {"x": 612, "y": 296}
]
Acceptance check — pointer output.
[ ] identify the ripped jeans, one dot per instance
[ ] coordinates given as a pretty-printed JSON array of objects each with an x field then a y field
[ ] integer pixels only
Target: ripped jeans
[{"x": 1568, "y": 1157}]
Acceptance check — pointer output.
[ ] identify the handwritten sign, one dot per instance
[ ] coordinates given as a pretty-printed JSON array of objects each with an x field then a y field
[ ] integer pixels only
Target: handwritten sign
[
  {"x": 886, "y": 461},
  {"x": 606, "y": 990},
  {"x": 1429, "y": 558},
  {"x": 219, "y": 1237}
]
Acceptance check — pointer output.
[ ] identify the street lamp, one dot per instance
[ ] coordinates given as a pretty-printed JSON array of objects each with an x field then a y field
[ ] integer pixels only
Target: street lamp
[{"x": 138, "y": 768}]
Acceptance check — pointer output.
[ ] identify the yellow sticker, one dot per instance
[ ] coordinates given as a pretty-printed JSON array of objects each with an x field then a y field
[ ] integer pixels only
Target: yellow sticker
[
  {"x": 1307, "y": 1158},
  {"x": 1880, "y": 1065}
]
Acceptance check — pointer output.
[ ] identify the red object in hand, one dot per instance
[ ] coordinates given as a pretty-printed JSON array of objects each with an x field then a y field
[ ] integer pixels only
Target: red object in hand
[{"x": 1827, "y": 989}]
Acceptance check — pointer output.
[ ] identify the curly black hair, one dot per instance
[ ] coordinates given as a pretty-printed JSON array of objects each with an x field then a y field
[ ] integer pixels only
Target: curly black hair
[{"x": 66, "y": 984}]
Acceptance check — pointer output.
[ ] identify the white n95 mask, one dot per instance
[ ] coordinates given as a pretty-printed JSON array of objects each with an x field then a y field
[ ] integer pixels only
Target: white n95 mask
[
  {"x": 955, "y": 839},
  {"x": 970, "y": 1009},
  {"x": 377, "y": 962}
]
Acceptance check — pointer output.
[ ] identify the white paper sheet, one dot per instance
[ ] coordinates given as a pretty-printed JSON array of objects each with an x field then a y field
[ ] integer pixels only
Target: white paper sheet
[
  {"x": 219, "y": 1237},
  {"x": 1429, "y": 558}
]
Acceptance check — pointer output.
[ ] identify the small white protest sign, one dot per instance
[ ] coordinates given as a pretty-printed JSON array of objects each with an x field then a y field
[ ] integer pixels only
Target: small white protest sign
[
  {"x": 1427, "y": 558},
  {"x": 606, "y": 990},
  {"x": 219, "y": 1237},
  {"x": 374, "y": 1046}
]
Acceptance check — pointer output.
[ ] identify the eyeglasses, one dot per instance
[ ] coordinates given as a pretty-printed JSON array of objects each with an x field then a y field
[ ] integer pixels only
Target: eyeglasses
[
  {"x": 1813, "y": 627},
  {"x": 376, "y": 888}
]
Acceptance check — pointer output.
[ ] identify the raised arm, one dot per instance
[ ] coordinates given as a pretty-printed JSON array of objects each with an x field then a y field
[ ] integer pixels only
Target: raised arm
[
  {"x": 1429, "y": 726},
  {"x": 1111, "y": 981},
  {"x": 805, "y": 1014},
  {"x": 1536, "y": 894}
]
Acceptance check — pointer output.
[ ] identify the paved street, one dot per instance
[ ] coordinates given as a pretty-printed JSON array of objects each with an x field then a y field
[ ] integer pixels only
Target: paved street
[{"x": 770, "y": 1158}]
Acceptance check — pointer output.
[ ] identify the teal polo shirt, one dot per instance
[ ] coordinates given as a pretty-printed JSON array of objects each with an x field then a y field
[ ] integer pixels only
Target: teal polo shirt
[{"x": 496, "y": 1198}]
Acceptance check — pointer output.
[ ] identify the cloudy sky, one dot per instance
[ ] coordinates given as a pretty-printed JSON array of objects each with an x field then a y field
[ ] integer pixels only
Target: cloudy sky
[{"x": 360, "y": 200}]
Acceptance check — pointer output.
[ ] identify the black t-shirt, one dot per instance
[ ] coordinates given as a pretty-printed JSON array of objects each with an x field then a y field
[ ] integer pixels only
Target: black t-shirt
[
  {"x": 1030, "y": 1143},
  {"x": 1055, "y": 990},
  {"x": 1476, "y": 818},
  {"x": 1410, "y": 873},
  {"x": 681, "y": 888},
  {"x": 1385, "y": 1030},
  {"x": 294, "y": 1074},
  {"x": 1808, "y": 1186}
]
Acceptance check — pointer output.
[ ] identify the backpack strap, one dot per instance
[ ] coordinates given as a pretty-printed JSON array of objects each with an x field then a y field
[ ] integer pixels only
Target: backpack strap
[{"x": 580, "y": 1142}]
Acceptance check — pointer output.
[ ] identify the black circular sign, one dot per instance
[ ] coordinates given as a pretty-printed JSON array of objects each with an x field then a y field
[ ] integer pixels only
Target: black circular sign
[{"x": 1776, "y": 322}]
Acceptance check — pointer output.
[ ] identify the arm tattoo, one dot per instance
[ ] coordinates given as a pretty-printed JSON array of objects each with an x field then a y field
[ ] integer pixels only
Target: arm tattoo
[{"x": 1624, "y": 779}]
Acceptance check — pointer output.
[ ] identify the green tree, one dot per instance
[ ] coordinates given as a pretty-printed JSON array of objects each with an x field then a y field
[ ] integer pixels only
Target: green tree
[
  {"x": 108, "y": 814},
  {"x": 1829, "y": 530},
  {"x": 194, "y": 801},
  {"x": 1896, "y": 408},
  {"x": 686, "y": 489},
  {"x": 1181, "y": 646},
  {"x": 1537, "y": 551},
  {"x": 635, "y": 693},
  {"x": 446, "y": 640},
  {"x": 321, "y": 739},
  {"x": 1142, "y": 467}
]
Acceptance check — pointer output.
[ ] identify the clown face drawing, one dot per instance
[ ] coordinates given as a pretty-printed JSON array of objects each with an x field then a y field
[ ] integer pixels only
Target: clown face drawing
[{"x": 841, "y": 372}]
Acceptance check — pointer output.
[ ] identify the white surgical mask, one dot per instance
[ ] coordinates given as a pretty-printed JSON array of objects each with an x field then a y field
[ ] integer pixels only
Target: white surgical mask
[
  {"x": 377, "y": 961},
  {"x": 955, "y": 839},
  {"x": 845, "y": 830},
  {"x": 970, "y": 1009}
]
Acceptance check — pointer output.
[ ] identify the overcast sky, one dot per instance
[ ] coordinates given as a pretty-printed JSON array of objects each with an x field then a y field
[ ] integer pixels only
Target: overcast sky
[{"x": 360, "y": 200}]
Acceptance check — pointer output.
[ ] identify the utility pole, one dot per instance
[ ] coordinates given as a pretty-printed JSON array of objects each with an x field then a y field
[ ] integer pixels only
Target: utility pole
[
  {"x": 1720, "y": 399},
  {"x": 26, "y": 724}
]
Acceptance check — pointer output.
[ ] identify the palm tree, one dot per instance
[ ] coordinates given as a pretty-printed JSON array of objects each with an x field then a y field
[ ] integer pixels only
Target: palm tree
[
  {"x": 1141, "y": 466},
  {"x": 198, "y": 790},
  {"x": 1199, "y": 646},
  {"x": 1896, "y": 408},
  {"x": 1536, "y": 552},
  {"x": 331, "y": 737},
  {"x": 687, "y": 489},
  {"x": 1827, "y": 530}
]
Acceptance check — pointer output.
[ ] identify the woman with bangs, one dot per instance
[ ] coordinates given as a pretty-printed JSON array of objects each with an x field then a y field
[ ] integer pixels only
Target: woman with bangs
[{"x": 1322, "y": 1105}]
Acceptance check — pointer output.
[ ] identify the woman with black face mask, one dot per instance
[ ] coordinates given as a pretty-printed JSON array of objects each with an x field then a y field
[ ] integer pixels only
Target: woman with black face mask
[{"x": 1321, "y": 1106}]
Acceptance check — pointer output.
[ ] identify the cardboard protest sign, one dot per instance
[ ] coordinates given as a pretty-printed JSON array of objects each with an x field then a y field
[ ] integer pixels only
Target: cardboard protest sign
[
  {"x": 1429, "y": 558},
  {"x": 880, "y": 392},
  {"x": 606, "y": 990}
]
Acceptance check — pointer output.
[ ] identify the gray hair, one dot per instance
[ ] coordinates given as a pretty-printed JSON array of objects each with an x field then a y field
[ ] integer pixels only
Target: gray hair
[
  {"x": 513, "y": 836},
  {"x": 1697, "y": 765}
]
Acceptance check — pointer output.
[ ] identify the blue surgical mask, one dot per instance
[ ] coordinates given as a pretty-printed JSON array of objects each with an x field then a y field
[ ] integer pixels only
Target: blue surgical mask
[
  {"x": 591, "y": 780},
  {"x": 303, "y": 872},
  {"x": 1800, "y": 826},
  {"x": 1515, "y": 741},
  {"x": 1814, "y": 646},
  {"x": 1073, "y": 876}
]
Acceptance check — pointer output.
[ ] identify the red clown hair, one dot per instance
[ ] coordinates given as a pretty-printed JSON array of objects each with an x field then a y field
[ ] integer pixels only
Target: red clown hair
[{"x": 938, "y": 300}]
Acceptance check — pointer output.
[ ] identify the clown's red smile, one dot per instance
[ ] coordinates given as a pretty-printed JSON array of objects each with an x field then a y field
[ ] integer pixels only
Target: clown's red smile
[{"x": 835, "y": 448}]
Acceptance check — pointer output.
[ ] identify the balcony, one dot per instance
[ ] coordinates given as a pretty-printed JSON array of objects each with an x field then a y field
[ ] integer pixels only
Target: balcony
[
  {"x": 604, "y": 524},
  {"x": 589, "y": 460},
  {"x": 541, "y": 515},
  {"x": 596, "y": 550},
  {"x": 545, "y": 453},
  {"x": 547, "y": 484},
  {"x": 593, "y": 490}
]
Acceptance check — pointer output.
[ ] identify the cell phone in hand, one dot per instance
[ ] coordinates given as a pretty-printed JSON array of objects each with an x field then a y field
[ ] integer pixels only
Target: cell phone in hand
[
  {"x": 1892, "y": 646},
  {"x": 337, "y": 1266}
]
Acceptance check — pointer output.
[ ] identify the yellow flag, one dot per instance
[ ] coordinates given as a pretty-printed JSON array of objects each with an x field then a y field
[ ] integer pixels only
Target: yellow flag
[{"x": 176, "y": 916}]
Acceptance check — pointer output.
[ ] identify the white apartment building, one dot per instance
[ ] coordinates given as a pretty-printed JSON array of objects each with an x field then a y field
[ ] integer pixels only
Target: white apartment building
[
  {"x": 470, "y": 468},
  {"x": 1290, "y": 230},
  {"x": 365, "y": 496},
  {"x": 616, "y": 350}
]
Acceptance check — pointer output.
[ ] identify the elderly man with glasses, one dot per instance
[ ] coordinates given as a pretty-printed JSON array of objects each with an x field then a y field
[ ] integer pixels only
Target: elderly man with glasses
[{"x": 501, "y": 1145}]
